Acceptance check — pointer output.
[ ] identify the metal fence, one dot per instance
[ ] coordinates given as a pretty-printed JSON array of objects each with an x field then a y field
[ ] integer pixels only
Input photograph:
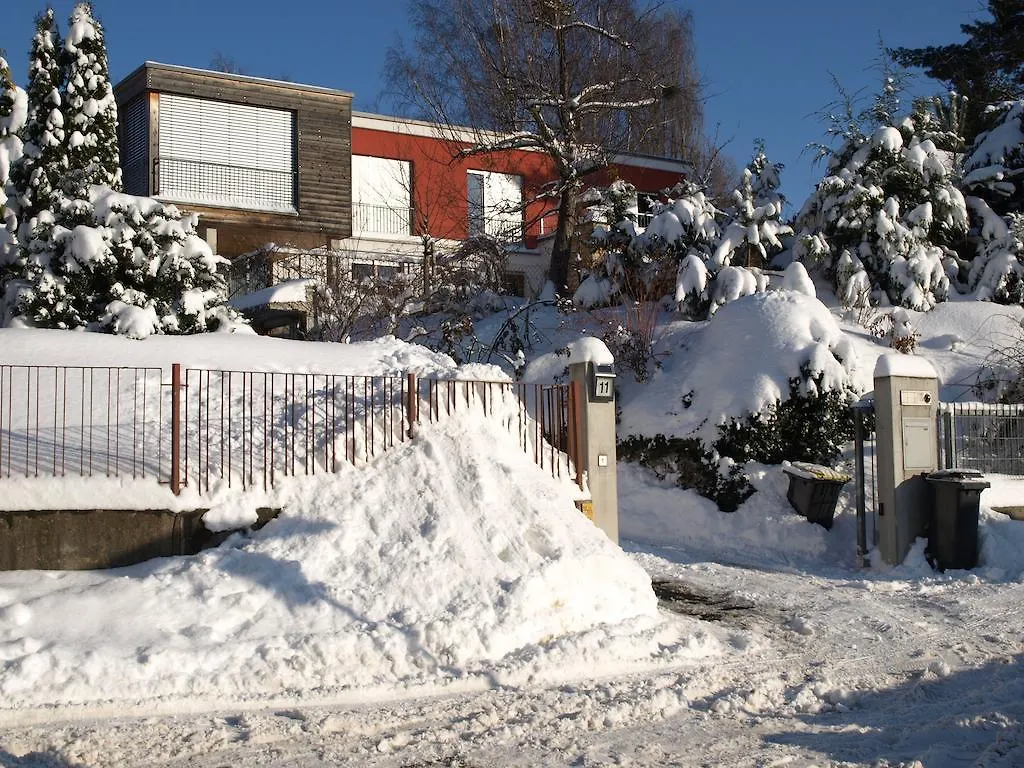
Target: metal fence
[
  {"x": 246, "y": 429},
  {"x": 59, "y": 421},
  {"x": 982, "y": 436}
]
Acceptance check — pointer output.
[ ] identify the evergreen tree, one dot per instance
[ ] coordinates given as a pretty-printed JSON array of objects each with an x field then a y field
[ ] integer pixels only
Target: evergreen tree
[
  {"x": 890, "y": 217},
  {"x": 122, "y": 264},
  {"x": 752, "y": 237},
  {"x": 994, "y": 167},
  {"x": 37, "y": 175},
  {"x": 13, "y": 106},
  {"x": 90, "y": 112},
  {"x": 988, "y": 67}
]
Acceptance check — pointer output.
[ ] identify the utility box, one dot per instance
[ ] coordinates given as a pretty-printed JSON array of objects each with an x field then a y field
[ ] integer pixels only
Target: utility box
[
  {"x": 906, "y": 407},
  {"x": 953, "y": 531}
]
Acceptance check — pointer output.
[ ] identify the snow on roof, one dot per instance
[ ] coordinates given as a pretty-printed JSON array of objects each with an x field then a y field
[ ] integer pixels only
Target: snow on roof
[{"x": 288, "y": 292}]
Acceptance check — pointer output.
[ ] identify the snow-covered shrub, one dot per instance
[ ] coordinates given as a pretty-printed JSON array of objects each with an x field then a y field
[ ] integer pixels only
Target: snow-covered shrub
[
  {"x": 796, "y": 408},
  {"x": 692, "y": 464},
  {"x": 119, "y": 263},
  {"x": 813, "y": 423},
  {"x": 903, "y": 338},
  {"x": 893, "y": 209}
]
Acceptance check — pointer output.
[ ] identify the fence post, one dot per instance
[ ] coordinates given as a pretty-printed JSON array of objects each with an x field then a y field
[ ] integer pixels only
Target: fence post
[
  {"x": 176, "y": 429},
  {"x": 411, "y": 410}
]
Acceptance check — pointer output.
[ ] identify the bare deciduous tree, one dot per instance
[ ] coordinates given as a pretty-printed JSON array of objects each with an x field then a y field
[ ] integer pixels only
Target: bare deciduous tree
[{"x": 565, "y": 77}]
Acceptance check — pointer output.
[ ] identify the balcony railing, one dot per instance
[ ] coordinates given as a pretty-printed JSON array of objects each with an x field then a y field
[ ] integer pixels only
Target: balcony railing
[
  {"x": 368, "y": 219},
  {"x": 226, "y": 185}
]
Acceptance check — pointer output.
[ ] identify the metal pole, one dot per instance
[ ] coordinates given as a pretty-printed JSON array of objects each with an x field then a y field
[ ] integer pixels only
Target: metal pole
[
  {"x": 411, "y": 404},
  {"x": 176, "y": 429},
  {"x": 862, "y": 534}
]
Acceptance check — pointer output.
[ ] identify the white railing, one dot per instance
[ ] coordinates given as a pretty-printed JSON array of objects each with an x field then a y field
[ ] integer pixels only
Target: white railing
[{"x": 381, "y": 219}]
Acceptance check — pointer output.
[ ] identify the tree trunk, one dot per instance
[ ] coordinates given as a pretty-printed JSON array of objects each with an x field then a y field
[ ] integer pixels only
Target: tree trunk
[{"x": 563, "y": 249}]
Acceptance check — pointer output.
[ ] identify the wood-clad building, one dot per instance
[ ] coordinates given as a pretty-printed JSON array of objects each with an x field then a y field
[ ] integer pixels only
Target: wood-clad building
[{"x": 260, "y": 160}]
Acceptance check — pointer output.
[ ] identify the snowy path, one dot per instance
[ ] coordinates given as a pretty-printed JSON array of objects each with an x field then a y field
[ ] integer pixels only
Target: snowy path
[{"x": 837, "y": 669}]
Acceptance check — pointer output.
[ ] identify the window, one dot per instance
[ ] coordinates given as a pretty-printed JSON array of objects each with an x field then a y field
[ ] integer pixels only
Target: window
[
  {"x": 381, "y": 196},
  {"x": 495, "y": 202},
  {"x": 135, "y": 159},
  {"x": 515, "y": 284},
  {"x": 216, "y": 153},
  {"x": 383, "y": 271}
]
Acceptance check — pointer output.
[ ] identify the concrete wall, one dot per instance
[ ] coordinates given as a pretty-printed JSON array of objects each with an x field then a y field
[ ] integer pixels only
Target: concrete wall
[{"x": 102, "y": 538}]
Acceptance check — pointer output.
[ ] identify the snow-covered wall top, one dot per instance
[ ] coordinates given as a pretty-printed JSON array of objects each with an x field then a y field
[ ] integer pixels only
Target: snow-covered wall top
[{"x": 910, "y": 366}]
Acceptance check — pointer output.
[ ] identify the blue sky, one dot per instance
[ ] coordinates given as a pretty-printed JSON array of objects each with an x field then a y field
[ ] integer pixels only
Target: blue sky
[{"x": 767, "y": 68}]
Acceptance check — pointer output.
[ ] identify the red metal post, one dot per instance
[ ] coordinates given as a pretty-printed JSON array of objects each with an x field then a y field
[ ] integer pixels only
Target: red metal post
[{"x": 176, "y": 429}]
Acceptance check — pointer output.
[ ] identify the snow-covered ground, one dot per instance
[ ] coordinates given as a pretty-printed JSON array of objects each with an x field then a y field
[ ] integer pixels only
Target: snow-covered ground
[{"x": 447, "y": 605}]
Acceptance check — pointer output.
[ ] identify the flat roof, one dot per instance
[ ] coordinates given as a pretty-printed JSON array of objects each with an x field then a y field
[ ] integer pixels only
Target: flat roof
[{"x": 236, "y": 78}]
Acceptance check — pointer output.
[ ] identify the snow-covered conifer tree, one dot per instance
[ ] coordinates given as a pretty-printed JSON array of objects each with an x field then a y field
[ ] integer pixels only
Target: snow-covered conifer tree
[
  {"x": 891, "y": 212},
  {"x": 752, "y": 237},
  {"x": 90, "y": 112},
  {"x": 13, "y": 106},
  {"x": 124, "y": 264},
  {"x": 994, "y": 167},
  {"x": 37, "y": 175}
]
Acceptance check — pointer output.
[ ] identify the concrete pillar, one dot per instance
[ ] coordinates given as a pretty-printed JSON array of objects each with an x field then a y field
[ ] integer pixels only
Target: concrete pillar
[
  {"x": 906, "y": 405},
  {"x": 598, "y": 435}
]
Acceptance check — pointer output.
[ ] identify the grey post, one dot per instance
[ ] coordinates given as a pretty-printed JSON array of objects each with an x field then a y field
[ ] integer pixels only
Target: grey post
[
  {"x": 598, "y": 436},
  {"x": 906, "y": 405}
]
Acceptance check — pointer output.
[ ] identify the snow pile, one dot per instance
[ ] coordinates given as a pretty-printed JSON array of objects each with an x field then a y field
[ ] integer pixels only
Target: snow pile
[
  {"x": 739, "y": 362},
  {"x": 452, "y": 553}
]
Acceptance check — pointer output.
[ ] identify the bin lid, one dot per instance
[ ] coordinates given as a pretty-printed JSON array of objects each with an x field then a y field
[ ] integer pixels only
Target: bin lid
[
  {"x": 955, "y": 474},
  {"x": 810, "y": 471},
  {"x": 967, "y": 479}
]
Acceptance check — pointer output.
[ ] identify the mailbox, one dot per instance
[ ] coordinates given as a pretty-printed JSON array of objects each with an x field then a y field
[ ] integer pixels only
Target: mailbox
[{"x": 602, "y": 383}]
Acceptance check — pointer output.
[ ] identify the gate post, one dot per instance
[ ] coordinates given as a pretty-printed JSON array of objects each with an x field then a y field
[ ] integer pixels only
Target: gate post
[
  {"x": 906, "y": 406},
  {"x": 593, "y": 376}
]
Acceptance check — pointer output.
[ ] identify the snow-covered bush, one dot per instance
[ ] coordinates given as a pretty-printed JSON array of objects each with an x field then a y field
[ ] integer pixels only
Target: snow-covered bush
[
  {"x": 891, "y": 217},
  {"x": 997, "y": 272},
  {"x": 673, "y": 257},
  {"x": 121, "y": 264},
  {"x": 714, "y": 420}
]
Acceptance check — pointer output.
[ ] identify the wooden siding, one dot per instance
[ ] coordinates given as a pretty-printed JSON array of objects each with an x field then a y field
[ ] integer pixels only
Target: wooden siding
[{"x": 323, "y": 146}]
